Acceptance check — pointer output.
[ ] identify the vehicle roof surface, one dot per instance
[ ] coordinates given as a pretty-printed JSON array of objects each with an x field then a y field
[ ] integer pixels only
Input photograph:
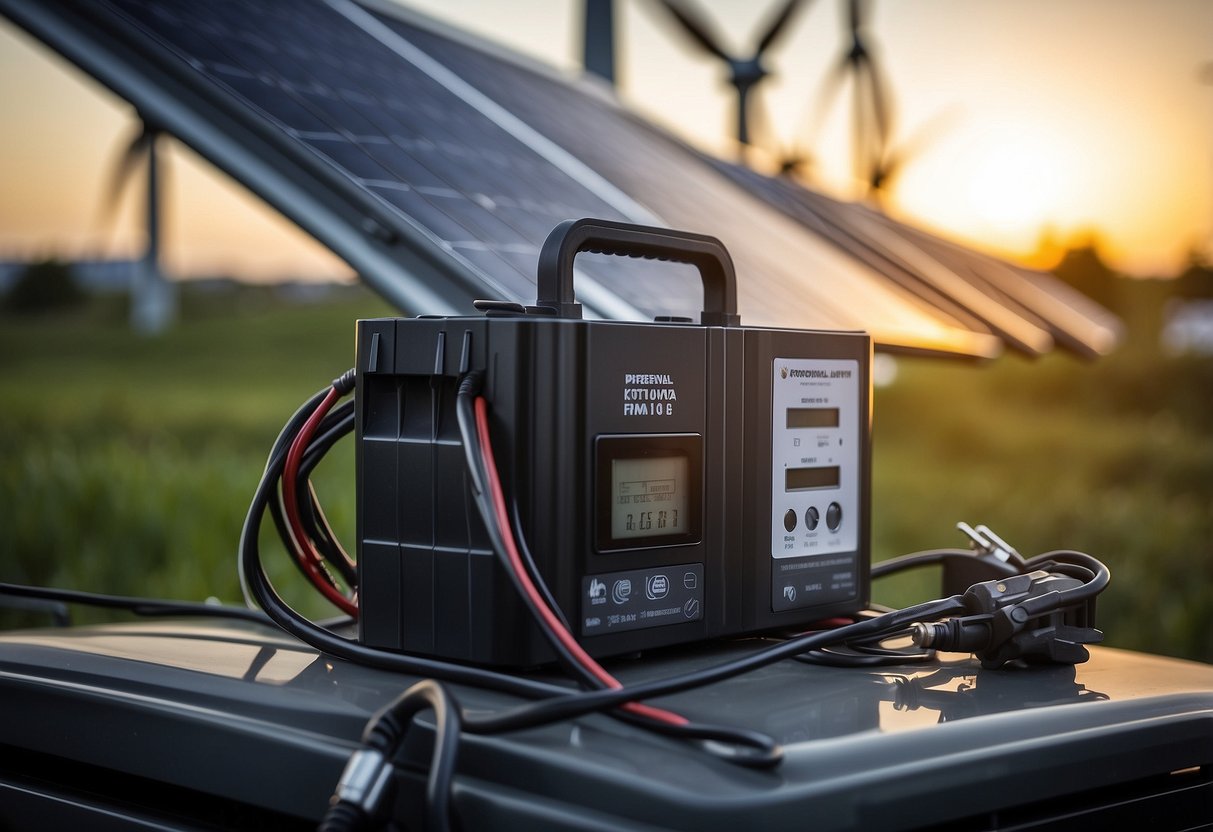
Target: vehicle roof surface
[{"x": 244, "y": 712}]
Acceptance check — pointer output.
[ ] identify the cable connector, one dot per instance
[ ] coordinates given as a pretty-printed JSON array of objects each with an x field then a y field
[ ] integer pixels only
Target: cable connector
[
  {"x": 364, "y": 780},
  {"x": 344, "y": 383},
  {"x": 1020, "y": 617}
]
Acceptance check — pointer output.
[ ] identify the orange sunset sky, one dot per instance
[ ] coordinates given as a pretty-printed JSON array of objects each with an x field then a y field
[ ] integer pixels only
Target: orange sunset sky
[{"x": 1075, "y": 116}]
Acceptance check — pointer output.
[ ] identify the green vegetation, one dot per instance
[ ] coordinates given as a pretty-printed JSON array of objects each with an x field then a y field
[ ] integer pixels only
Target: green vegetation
[{"x": 127, "y": 463}]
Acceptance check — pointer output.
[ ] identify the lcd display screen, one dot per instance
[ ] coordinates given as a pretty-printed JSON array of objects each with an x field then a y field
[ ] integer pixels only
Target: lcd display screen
[
  {"x": 804, "y": 479},
  {"x": 648, "y": 490},
  {"x": 649, "y": 496},
  {"x": 812, "y": 417}
]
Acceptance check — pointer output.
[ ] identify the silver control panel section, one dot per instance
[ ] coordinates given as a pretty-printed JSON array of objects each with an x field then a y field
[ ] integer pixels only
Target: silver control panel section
[{"x": 815, "y": 457}]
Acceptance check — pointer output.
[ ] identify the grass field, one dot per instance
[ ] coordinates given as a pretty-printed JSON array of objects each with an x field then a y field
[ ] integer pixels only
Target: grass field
[{"x": 126, "y": 464}]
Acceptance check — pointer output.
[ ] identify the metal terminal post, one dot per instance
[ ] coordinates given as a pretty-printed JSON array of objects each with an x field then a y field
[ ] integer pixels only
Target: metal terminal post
[
  {"x": 1002, "y": 549},
  {"x": 986, "y": 542},
  {"x": 922, "y": 634}
]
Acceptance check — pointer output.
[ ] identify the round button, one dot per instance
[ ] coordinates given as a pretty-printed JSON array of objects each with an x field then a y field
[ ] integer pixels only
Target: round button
[
  {"x": 834, "y": 516},
  {"x": 789, "y": 520},
  {"x": 812, "y": 517}
]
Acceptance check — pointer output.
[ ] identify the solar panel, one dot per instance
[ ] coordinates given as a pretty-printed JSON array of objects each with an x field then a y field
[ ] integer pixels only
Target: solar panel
[
  {"x": 1028, "y": 309},
  {"x": 1075, "y": 321},
  {"x": 436, "y": 167},
  {"x": 789, "y": 278}
]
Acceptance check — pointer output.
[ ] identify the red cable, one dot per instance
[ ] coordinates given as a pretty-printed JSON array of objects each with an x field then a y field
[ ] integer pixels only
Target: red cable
[
  {"x": 550, "y": 621},
  {"x": 305, "y": 551}
]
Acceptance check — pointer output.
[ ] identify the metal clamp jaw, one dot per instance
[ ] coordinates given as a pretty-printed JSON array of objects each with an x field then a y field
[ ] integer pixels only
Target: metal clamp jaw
[{"x": 992, "y": 558}]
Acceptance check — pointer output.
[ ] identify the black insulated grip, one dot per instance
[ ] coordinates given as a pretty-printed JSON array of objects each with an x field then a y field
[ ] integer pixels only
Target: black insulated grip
[{"x": 571, "y": 237}]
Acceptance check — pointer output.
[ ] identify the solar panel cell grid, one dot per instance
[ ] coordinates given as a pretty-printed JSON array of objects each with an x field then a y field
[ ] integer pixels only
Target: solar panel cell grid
[
  {"x": 668, "y": 178},
  {"x": 399, "y": 134}
]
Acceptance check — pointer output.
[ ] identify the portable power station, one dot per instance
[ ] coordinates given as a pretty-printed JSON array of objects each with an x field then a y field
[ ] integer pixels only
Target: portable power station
[{"x": 673, "y": 481}]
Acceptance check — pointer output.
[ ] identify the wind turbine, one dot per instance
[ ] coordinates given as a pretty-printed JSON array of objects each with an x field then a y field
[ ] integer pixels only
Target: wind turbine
[
  {"x": 153, "y": 298},
  {"x": 875, "y": 161},
  {"x": 745, "y": 74},
  {"x": 598, "y": 39},
  {"x": 870, "y": 109}
]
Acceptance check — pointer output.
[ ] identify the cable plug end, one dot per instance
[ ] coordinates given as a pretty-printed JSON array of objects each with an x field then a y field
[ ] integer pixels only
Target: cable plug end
[
  {"x": 966, "y": 634},
  {"x": 344, "y": 383},
  {"x": 364, "y": 780}
]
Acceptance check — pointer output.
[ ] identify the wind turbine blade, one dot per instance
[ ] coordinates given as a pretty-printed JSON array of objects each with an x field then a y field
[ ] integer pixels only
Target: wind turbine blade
[
  {"x": 697, "y": 27},
  {"x": 859, "y": 12},
  {"x": 761, "y": 133},
  {"x": 896, "y": 158},
  {"x": 854, "y": 16},
  {"x": 927, "y": 133},
  {"x": 778, "y": 24},
  {"x": 861, "y": 161},
  {"x": 881, "y": 105},
  {"x": 125, "y": 166},
  {"x": 831, "y": 86},
  {"x": 152, "y": 208}
]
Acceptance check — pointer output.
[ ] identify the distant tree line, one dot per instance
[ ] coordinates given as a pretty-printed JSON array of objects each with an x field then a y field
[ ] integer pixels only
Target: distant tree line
[
  {"x": 44, "y": 286},
  {"x": 1082, "y": 267}
]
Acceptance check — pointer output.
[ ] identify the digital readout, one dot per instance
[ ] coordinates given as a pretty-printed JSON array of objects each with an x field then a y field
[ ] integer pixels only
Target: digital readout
[
  {"x": 649, "y": 496},
  {"x": 804, "y": 479},
  {"x": 812, "y": 417}
]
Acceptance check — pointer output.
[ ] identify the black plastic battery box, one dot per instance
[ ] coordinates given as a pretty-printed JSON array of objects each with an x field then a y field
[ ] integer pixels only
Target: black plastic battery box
[{"x": 673, "y": 481}]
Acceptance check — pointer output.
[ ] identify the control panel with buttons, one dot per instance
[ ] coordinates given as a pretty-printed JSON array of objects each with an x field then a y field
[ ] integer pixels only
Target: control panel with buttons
[{"x": 817, "y": 434}]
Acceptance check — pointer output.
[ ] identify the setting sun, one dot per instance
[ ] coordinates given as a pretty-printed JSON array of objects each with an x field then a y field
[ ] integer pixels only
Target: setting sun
[{"x": 1014, "y": 183}]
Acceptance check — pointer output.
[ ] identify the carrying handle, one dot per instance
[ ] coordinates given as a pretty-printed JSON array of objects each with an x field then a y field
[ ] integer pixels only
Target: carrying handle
[{"x": 572, "y": 237}]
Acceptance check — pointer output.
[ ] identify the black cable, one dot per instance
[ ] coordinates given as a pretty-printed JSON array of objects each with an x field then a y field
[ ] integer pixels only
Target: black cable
[
  {"x": 857, "y": 643},
  {"x": 931, "y": 557},
  {"x": 317, "y": 524},
  {"x": 329, "y": 429},
  {"x": 432, "y": 695},
  {"x": 741, "y": 746},
  {"x": 561, "y": 703},
  {"x": 137, "y": 606},
  {"x": 578, "y": 704},
  {"x": 1087, "y": 591},
  {"x": 764, "y": 750},
  {"x": 469, "y": 388},
  {"x": 868, "y": 652},
  {"x": 261, "y": 591},
  {"x": 528, "y": 561},
  {"x": 366, "y": 779},
  {"x": 295, "y": 423},
  {"x": 334, "y": 427},
  {"x": 283, "y": 440},
  {"x": 938, "y": 557}
]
